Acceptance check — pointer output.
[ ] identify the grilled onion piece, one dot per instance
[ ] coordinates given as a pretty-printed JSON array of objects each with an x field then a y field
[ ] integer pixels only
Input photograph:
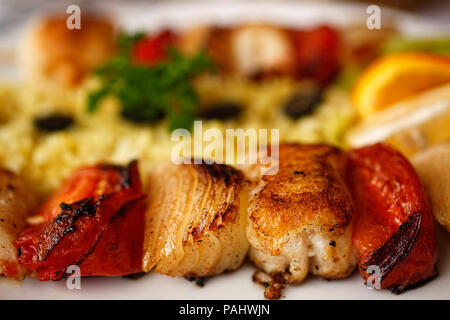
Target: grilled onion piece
[
  {"x": 432, "y": 167},
  {"x": 195, "y": 220},
  {"x": 16, "y": 202},
  {"x": 300, "y": 219}
]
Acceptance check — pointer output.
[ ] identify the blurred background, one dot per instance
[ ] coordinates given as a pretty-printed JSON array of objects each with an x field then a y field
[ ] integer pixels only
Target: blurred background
[
  {"x": 12, "y": 11},
  {"x": 15, "y": 14}
]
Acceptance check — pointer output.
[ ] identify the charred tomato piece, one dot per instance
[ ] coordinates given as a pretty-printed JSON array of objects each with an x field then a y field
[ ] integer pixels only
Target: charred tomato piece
[
  {"x": 393, "y": 228},
  {"x": 317, "y": 54},
  {"x": 95, "y": 221}
]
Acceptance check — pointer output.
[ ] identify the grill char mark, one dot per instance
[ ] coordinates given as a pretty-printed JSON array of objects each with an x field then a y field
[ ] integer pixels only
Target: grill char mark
[
  {"x": 397, "y": 248},
  {"x": 230, "y": 177}
]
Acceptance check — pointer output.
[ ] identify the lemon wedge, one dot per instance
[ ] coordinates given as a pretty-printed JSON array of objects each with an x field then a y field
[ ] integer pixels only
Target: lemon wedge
[{"x": 410, "y": 125}]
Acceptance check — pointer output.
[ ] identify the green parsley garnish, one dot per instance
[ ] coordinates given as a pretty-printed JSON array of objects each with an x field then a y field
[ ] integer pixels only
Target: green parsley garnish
[{"x": 149, "y": 93}]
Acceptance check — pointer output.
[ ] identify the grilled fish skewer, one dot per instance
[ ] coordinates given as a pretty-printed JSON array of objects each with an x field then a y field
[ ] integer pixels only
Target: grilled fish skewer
[{"x": 300, "y": 219}]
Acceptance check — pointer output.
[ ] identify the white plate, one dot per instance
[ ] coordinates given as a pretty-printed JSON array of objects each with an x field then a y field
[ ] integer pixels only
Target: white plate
[
  {"x": 235, "y": 285},
  {"x": 238, "y": 284}
]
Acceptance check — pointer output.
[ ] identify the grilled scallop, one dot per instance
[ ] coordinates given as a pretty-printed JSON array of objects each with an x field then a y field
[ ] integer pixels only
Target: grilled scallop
[
  {"x": 195, "y": 220},
  {"x": 52, "y": 51},
  {"x": 258, "y": 49},
  {"x": 248, "y": 50},
  {"x": 300, "y": 219},
  {"x": 16, "y": 202}
]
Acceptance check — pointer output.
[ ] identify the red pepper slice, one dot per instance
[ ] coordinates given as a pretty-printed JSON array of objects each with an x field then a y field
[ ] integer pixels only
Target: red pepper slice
[
  {"x": 393, "y": 227},
  {"x": 153, "y": 49},
  {"x": 95, "y": 221}
]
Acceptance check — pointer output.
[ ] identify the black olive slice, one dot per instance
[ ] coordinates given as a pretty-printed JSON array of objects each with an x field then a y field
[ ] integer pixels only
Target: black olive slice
[
  {"x": 53, "y": 122},
  {"x": 142, "y": 116},
  {"x": 303, "y": 102},
  {"x": 222, "y": 111}
]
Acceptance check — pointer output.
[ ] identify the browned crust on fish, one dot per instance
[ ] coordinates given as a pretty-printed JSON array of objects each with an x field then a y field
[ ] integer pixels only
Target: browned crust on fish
[{"x": 308, "y": 182}]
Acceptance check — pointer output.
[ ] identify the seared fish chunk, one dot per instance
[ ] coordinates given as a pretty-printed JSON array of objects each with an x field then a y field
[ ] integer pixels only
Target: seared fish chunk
[
  {"x": 195, "y": 220},
  {"x": 16, "y": 202},
  {"x": 300, "y": 219}
]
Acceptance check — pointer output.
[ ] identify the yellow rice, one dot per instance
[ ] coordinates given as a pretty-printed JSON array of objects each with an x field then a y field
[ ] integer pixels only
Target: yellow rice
[{"x": 45, "y": 159}]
